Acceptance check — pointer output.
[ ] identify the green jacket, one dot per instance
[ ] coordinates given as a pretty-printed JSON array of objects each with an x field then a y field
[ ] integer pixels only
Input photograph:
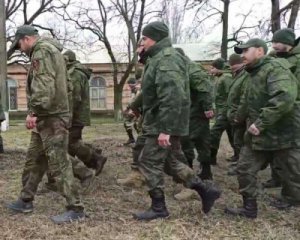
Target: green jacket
[
  {"x": 200, "y": 87},
  {"x": 271, "y": 100},
  {"x": 79, "y": 76},
  {"x": 222, "y": 85},
  {"x": 166, "y": 91},
  {"x": 46, "y": 82},
  {"x": 236, "y": 91}
]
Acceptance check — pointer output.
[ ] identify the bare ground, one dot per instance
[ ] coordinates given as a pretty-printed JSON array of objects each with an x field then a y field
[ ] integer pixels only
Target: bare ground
[{"x": 110, "y": 206}]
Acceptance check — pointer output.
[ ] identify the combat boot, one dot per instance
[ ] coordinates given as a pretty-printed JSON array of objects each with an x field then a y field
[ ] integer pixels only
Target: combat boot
[
  {"x": 98, "y": 162},
  {"x": 68, "y": 217},
  {"x": 134, "y": 179},
  {"x": 248, "y": 210},
  {"x": 208, "y": 193},
  {"x": 213, "y": 156},
  {"x": 186, "y": 194},
  {"x": 1, "y": 148},
  {"x": 158, "y": 207},
  {"x": 206, "y": 173},
  {"x": 131, "y": 139},
  {"x": 281, "y": 204},
  {"x": 21, "y": 206}
]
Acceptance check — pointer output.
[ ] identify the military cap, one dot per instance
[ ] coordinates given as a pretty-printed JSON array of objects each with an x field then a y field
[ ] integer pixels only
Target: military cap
[
  {"x": 71, "y": 55},
  {"x": 22, "y": 31},
  {"x": 235, "y": 59},
  {"x": 218, "y": 63},
  {"x": 254, "y": 42},
  {"x": 285, "y": 35},
  {"x": 156, "y": 31}
]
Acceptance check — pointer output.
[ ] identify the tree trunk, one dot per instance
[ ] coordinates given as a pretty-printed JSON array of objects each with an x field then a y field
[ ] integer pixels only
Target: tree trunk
[
  {"x": 224, "y": 44},
  {"x": 294, "y": 14},
  {"x": 275, "y": 16},
  {"x": 118, "y": 90}
]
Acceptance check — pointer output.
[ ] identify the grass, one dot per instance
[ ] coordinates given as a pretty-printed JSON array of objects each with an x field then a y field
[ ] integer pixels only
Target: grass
[{"x": 110, "y": 206}]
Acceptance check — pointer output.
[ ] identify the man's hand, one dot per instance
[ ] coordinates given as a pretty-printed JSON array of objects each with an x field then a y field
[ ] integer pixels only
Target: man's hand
[
  {"x": 209, "y": 114},
  {"x": 30, "y": 122},
  {"x": 253, "y": 130},
  {"x": 164, "y": 140}
]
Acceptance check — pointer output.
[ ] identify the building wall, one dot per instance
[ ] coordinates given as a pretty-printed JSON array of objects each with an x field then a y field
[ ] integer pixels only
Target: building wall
[{"x": 17, "y": 73}]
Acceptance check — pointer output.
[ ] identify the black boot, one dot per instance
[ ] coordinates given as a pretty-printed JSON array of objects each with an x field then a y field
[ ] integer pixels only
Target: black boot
[
  {"x": 248, "y": 210},
  {"x": 68, "y": 217},
  {"x": 98, "y": 162},
  {"x": 213, "y": 156},
  {"x": 206, "y": 173},
  {"x": 208, "y": 193},
  {"x": 158, "y": 207},
  {"x": 281, "y": 204},
  {"x": 130, "y": 137},
  {"x": 271, "y": 183},
  {"x": 1, "y": 148}
]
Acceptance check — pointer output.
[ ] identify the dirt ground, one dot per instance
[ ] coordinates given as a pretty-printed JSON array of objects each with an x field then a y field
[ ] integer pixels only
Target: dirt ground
[{"x": 110, "y": 206}]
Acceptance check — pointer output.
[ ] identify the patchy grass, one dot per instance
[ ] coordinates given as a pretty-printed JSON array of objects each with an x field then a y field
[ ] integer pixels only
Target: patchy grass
[{"x": 110, "y": 206}]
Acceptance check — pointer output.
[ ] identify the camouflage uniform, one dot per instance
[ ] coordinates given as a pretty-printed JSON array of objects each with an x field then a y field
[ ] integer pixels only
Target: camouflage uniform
[
  {"x": 270, "y": 103},
  {"x": 221, "y": 90},
  {"x": 237, "y": 90},
  {"x": 201, "y": 101},
  {"x": 48, "y": 101}
]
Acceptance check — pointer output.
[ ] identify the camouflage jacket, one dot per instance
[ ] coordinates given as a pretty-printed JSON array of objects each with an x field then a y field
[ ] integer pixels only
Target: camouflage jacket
[
  {"x": 166, "y": 91},
  {"x": 270, "y": 101},
  {"x": 46, "y": 81},
  {"x": 236, "y": 91},
  {"x": 79, "y": 76},
  {"x": 200, "y": 87},
  {"x": 222, "y": 85}
]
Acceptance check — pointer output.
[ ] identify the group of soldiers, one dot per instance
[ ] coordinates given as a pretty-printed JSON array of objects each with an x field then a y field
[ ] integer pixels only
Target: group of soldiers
[{"x": 256, "y": 101}]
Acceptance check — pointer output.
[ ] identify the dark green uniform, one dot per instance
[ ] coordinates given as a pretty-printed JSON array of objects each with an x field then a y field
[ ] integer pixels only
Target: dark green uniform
[
  {"x": 48, "y": 100},
  {"x": 221, "y": 90},
  {"x": 237, "y": 90},
  {"x": 271, "y": 105},
  {"x": 201, "y": 101}
]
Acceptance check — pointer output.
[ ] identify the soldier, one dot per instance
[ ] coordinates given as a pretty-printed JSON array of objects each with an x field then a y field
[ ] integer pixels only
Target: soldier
[
  {"x": 222, "y": 81},
  {"x": 166, "y": 102},
  {"x": 200, "y": 113},
  {"x": 81, "y": 116},
  {"x": 48, "y": 112},
  {"x": 237, "y": 90},
  {"x": 285, "y": 46},
  {"x": 2, "y": 118},
  {"x": 129, "y": 118},
  {"x": 272, "y": 114}
]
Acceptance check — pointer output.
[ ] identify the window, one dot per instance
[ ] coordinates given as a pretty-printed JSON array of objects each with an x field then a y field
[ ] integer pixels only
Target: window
[
  {"x": 97, "y": 93},
  {"x": 12, "y": 88}
]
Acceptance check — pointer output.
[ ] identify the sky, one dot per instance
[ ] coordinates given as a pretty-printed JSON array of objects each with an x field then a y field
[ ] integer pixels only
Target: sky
[{"x": 209, "y": 38}]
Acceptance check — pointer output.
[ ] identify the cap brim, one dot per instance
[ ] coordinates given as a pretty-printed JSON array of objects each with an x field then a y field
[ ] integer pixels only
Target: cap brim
[{"x": 239, "y": 49}]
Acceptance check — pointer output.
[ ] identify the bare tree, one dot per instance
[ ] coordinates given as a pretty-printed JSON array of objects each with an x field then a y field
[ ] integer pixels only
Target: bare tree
[
  {"x": 278, "y": 14},
  {"x": 100, "y": 20}
]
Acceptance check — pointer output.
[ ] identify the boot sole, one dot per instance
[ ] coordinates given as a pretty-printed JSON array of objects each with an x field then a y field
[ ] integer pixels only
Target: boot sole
[
  {"x": 20, "y": 210},
  {"x": 229, "y": 212},
  {"x": 150, "y": 219},
  {"x": 212, "y": 199}
]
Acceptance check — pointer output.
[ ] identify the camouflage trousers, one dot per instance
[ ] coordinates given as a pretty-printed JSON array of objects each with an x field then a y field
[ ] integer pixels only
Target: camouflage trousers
[
  {"x": 238, "y": 137},
  {"x": 130, "y": 123},
  {"x": 251, "y": 161},
  {"x": 136, "y": 151},
  {"x": 222, "y": 124},
  {"x": 155, "y": 160},
  {"x": 78, "y": 148},
  {"x": 200, "y": 139},
  {"x": 48, "y": 152}
]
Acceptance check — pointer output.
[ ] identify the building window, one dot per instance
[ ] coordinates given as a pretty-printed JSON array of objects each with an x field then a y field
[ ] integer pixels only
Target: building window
[
  {"x": 97, "y": 93},
  {"x": 12, "y": 88}
]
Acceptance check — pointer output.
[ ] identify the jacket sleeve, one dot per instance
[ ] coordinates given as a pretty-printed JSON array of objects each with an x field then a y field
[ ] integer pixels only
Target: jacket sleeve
[
  {"x": 43, "y": 82},
  {"x": 172, "y": 92},
  {"x": 282, "y": 91}
]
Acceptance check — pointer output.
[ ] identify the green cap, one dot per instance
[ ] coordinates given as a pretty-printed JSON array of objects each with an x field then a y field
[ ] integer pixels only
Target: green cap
[
  {"x": 156, "y": 31},
  {"x": 254, "y": 42},
  {"x": 22, "y": 31},
  {"x": 71, "y": 55},
  {"x": 235, "y": 59},
  {"x": 285, "y": 36},
  {"x": 218, "y": 63}
]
